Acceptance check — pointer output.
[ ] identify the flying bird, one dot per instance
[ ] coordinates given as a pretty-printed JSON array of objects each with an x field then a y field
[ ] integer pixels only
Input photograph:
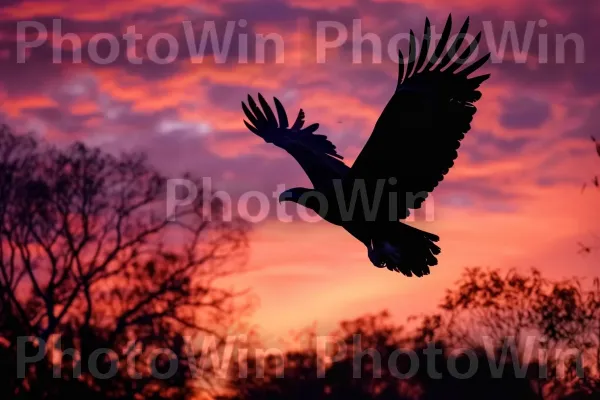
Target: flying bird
[{"x": 412, "y": 147}]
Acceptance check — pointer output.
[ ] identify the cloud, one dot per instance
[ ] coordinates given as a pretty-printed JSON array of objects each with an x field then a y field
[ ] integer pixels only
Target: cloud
[
  {"x": 91, "y": 12},
  {"x": 524, "y": 112}
]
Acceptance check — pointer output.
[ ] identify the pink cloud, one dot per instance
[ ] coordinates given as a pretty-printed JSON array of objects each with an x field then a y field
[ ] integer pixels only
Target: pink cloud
[{"x": 89, "y": 12}]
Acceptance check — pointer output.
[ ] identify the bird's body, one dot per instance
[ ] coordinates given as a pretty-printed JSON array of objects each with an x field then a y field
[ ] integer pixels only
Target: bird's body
[{"x": 412, "y": 147}]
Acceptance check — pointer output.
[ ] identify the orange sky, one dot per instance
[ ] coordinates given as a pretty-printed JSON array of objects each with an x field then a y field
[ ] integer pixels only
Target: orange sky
[{"x": 513, "y": 198}]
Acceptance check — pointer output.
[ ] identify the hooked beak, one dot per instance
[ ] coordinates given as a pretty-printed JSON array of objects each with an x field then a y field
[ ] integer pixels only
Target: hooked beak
[{"x": 283, "y": 196}]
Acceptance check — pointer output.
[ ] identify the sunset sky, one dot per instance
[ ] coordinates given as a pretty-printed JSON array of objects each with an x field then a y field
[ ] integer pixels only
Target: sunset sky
[{"x": 513, "y": 198}]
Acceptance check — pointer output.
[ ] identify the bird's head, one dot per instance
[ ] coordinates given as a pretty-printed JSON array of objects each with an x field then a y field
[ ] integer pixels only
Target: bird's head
[
  {"x": 295, "y": 195},
  {"x": 308, "y": 198}
]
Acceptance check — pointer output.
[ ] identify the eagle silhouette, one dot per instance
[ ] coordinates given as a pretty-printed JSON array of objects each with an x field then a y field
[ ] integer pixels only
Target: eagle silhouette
[{"x": 411, "y": 149}]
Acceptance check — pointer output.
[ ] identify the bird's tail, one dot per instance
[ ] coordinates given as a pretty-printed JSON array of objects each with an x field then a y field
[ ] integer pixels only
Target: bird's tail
[{"x": 405, "y": 249}]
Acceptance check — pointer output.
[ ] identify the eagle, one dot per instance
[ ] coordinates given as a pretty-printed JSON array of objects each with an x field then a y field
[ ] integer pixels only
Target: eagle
[{"x": 412, "y": 147}]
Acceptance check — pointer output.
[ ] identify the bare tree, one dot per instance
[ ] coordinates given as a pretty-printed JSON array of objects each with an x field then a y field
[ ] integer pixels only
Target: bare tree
[
  {"x": 87, "y": 253},
  {"x": 586, "y": 247},
  {"x": 597, "y": 148}
]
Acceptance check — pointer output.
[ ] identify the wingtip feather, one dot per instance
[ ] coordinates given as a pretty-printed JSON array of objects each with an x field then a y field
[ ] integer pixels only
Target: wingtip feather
[
  {"x": 400, "y": 67},
  {"x": 412, "y": 55}
]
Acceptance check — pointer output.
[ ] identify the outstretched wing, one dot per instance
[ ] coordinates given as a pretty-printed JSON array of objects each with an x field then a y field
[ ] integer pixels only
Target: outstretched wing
[
  {"x": 315, "y": 153},
  {"x": 415, "y": 140},
  {"x": 266, "y": 126}
]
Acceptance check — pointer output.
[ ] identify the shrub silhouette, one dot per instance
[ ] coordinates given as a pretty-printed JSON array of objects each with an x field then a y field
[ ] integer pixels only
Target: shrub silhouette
[{"x": 496, "y": 336}]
